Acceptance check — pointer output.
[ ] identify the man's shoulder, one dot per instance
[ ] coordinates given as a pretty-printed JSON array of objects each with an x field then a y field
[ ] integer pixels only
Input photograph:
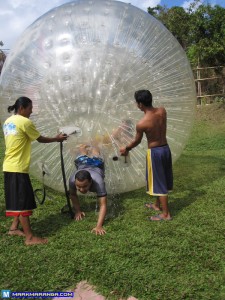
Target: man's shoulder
[
  {"x": 141, "y": 125},
  {"x": 161, "y": 108},
  {"x": 160, "y": 111}
]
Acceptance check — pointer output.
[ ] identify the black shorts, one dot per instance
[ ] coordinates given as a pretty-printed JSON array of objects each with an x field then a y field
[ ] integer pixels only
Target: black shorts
[{"x": 19, "y": 195}]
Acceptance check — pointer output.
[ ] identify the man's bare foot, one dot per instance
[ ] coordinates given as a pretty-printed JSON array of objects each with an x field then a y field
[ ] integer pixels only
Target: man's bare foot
[
  {"x": 34, "y": 240},
  {"x": 16, "y": 232},
  {"x": 152, "y": 206},
  {"x": 160, "y": 217},
  {"x": 84, "y": 149}
]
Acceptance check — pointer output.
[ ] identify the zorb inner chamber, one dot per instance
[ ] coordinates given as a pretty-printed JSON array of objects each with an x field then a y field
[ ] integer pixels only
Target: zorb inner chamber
[{"x": 80, "y": 64}]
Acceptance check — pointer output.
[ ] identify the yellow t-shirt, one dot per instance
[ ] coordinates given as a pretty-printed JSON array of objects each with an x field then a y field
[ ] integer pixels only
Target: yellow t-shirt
[{"x": 19, "y": 132}]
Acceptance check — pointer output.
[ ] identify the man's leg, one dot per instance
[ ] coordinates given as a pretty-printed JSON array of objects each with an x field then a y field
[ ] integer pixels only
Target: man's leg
[
  {"x": 89, "y": 150},
  {"x": 30, "y": 239},
  {"x": 164, "y": 204},
  {"x": 157, "y": 204},
  {"x": 83, "y": 149},
  {"x": 14, "y": 230},
  {"x": 165, "y": 210},
  {"x": 154, "y": 206},
  {"x": 95, "y": 151}
]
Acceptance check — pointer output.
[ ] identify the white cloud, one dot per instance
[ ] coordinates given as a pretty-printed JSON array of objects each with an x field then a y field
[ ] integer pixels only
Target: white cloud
[
  {"x": 143, "y": 4},
  {"x": 18, "y": 3},
  {"x": 6, "y": 12},
  {"x": 186, "y": 4},
  {"x": 17, "y": 15}
]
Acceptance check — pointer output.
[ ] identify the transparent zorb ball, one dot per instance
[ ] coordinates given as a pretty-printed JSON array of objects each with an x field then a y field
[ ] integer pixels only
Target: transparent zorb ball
[{"x": 81, "y": 63}]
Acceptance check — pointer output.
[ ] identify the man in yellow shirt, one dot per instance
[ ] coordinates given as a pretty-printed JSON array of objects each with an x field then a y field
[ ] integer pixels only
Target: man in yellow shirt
[{"x": 19, "y": 132}]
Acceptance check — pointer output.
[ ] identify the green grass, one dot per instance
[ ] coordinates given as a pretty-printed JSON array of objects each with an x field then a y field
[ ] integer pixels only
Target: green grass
[{"x": 181, "y": 259}]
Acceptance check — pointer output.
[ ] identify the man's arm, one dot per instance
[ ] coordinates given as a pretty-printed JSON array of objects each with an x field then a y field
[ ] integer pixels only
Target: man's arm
[
  {"x": 76, "y": 205},
  {"x": 101, "y": 217},
  {"x": 58, "y": 138},
  {"x": 138, "y": 137}
]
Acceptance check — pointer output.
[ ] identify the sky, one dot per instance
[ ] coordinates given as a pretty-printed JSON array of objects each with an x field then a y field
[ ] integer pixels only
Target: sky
[{"x": 17, "y": 15}]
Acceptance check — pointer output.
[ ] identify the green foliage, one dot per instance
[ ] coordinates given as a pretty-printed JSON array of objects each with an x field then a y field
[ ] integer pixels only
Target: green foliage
[
  {"x": 207, "y": 36},
  {"x": 179, "y": 259},
  {"x": 200, "y": 30},
  {"x": 176, "y": 17},
  {"x": 171, "y": 18}
]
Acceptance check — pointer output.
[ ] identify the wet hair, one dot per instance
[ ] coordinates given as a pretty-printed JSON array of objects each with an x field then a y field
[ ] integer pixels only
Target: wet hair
[
  {"x": 144, "y": 97},
  {"x": 20, "y": 102},
  {"x": 83, "y": 175}
]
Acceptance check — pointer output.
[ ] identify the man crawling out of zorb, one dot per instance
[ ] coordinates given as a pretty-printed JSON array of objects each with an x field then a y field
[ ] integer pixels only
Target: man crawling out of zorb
[{"x": 89, "y": 177}]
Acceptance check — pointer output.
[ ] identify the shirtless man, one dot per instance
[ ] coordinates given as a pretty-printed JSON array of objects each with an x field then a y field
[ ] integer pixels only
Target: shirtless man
[
  {"x": 89, "y": 177},
  {"x": 159, "y": 175}
]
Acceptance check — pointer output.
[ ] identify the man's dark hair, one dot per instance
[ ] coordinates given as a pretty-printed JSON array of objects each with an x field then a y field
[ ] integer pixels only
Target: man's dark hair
[
  {"x": 144, "y": 97},
  {"x": 83, "y": 175},
  {"x": 20, "y": 102}
]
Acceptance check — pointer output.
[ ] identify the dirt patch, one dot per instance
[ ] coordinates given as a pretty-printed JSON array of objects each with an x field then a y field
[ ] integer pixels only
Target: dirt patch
[
  {"x": 85, "y": 291},
  {"x": 212, "y": 113}
]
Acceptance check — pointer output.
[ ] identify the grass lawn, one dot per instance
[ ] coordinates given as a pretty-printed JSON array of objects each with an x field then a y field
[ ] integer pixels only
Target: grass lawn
[{"x": 181, "y": 259}]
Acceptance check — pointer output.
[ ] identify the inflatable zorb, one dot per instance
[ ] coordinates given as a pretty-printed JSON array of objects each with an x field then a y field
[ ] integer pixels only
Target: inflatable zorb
[{"x": 80, "y": 64}]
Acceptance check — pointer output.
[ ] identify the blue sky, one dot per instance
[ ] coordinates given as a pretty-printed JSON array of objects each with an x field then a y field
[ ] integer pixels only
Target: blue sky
[
  {"x": 17, "y": 15},
  {"x": 170, "y": 3}
]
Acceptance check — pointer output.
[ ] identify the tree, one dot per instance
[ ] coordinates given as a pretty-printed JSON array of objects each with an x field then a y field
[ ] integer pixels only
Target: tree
[
  {"x": 207, "y": 36},
  {"x": 200, "y": 30},
  {"x": 176, "y": 19}
]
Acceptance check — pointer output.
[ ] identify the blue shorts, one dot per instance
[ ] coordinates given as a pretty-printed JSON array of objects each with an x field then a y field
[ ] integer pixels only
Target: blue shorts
[
  {"x": 84, "y": 160},
  {"x": 159, "y": 174}
]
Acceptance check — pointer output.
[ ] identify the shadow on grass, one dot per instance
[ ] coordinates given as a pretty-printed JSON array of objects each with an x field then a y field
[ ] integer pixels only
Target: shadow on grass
[
  {"x": 50, "y": 224},
  {"x": 115, "y": 205},
  {"x": 193, "y": 175}
]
